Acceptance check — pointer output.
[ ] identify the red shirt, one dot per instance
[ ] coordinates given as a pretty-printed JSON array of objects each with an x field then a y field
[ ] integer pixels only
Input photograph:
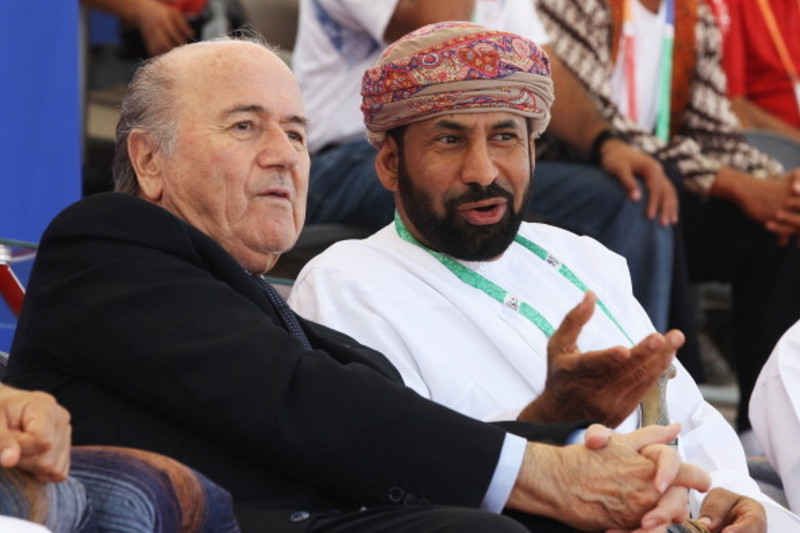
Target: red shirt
[{"x": 751, "y": 60}]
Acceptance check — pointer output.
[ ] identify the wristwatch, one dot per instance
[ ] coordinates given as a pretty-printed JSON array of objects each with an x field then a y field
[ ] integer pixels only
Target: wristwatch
[{"x": 609, "y": 133}]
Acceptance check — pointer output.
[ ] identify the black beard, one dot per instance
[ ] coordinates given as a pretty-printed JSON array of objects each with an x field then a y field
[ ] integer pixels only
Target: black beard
[{"x": 451, "y": 234}]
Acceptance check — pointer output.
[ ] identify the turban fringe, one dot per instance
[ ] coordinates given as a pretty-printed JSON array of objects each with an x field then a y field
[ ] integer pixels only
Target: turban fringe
[{"x": 456, "y": 68}]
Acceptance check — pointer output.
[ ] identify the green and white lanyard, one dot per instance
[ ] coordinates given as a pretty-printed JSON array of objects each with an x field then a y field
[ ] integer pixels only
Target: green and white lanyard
[{"x": 473, "y": 279}]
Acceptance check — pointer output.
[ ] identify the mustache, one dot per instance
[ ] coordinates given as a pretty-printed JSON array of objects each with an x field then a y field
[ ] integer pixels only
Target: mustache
[{"x": 476, "y": 193}]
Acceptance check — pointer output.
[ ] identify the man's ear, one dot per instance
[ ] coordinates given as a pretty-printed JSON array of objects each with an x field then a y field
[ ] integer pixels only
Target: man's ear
[
  {"x": 146, "y": 162},
  {"x": 387, "y": 163}
]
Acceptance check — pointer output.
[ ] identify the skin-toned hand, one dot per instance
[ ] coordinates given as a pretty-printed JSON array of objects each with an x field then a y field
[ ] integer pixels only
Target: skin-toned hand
[
  {"x": 35, "y": 434},
  {"x": 726, "y": 512},
  {"x": 786, "y": 222},
  {"x": 673, "y": 507},
  {"x": 769, "y": 202},
  {"x": 162, "y": 26},
  {"x": 617, "y": 485},
  {"x": 628, "y": 163},
  {"x": 605, "y": 385}
]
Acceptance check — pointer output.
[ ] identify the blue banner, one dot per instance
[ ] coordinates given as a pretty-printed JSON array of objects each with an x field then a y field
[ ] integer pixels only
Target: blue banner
[{"x": 40, "y": 126}]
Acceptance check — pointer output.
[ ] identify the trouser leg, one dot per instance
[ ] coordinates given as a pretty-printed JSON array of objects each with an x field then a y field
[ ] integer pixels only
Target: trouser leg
[
  {"x": 393, "y": 519},
  {"x": 344, "y": 188},
  {"x": 725, "y": 245}
]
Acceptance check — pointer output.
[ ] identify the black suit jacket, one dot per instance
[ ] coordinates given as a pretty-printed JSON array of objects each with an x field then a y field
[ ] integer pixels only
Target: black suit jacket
[{"x": 154, "y": 337}]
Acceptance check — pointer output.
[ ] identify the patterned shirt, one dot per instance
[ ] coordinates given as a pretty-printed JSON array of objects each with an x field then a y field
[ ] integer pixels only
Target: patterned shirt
[{"x": 708, "y": 135}]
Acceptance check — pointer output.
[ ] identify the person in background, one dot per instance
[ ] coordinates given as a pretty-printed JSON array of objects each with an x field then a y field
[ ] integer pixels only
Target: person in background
[
  {"x": 761, "y": 56},
  {"x": 739, "y": 208},
  {"x": 153, "y": 27}
]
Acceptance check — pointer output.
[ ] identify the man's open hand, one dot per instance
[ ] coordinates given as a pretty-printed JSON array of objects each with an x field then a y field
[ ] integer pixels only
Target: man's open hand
[{"x": 605, "y": 385}]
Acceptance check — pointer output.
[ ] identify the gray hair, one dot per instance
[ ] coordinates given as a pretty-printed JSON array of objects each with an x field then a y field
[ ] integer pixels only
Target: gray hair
[{"x": 151, "y": 105}]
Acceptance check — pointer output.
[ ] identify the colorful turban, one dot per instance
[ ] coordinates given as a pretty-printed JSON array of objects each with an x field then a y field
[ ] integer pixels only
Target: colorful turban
[{"x": 455, "y": 67}]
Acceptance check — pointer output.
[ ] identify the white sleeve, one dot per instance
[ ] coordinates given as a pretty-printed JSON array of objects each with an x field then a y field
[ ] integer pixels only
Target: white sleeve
[
  {"x": 367, "y": 16},
  {"x": 515, "y": 16},
  {"x": 775, "y": 412}
]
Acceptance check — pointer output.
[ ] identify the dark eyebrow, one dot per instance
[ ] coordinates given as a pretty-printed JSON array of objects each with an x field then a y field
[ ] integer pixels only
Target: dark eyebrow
[
  {"x": 258, "y": 109},
  {"x": 506, "y": 124},
  {"x": 457, "y": 126},
  {"x": 449, "y": 125}
]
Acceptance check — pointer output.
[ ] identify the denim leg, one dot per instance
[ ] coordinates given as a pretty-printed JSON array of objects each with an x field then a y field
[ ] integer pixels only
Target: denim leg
[
  {"x": 344, "y": 188},
  {"x": 584, "y": 199}
]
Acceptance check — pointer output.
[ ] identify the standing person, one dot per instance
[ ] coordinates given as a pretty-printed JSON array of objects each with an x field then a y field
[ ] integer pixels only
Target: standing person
[
  {"x": 148, "y": 317},
  {"x": 479, "y": 311},
  {"x": 739, "y": 208},
  {"x": 621, "y": 197}
]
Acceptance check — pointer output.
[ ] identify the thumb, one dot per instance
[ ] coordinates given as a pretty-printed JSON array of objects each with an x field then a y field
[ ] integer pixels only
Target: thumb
[{"x": 566, "y": 336}]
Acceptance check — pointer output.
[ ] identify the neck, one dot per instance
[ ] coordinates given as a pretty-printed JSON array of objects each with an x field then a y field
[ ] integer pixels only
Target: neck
[{"x": 651, "y": 5}]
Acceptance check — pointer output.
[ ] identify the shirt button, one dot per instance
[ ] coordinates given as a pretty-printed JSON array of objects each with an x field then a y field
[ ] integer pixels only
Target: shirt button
[{"x": 299, "y": 516}]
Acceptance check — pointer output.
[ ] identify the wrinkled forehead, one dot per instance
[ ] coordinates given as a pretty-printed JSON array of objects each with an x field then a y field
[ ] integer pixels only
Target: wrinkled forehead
[{"x": 215, "y": 74}]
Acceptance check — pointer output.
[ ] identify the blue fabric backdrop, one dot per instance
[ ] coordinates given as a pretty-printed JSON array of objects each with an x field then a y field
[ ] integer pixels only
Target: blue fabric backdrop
[{"x": 40, "y": 126}]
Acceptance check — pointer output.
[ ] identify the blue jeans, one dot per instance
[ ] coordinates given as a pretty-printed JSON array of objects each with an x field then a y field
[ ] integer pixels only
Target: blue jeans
[{"x": 344, "y": 188}]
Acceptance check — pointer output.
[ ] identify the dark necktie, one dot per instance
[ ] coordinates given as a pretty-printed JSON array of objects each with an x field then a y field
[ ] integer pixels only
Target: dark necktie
[{"x": 287, "y": 316}]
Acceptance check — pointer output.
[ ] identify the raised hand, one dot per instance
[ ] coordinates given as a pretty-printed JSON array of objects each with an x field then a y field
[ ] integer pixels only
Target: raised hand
[{"x": 605, "y": 385}]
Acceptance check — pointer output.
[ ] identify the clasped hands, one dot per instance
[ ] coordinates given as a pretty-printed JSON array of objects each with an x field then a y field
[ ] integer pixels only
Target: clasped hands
[
  {"x": 35, "y": 434},
  {"x": 607, "y": 385}
]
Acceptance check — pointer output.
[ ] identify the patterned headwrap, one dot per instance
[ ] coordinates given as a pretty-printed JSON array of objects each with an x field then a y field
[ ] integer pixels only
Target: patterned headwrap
[{"x": 455, "y": 67}]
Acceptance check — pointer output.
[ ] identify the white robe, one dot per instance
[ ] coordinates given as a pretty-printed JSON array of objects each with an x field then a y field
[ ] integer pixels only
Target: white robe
[
  {"x": 775, "y": 412},
  {"x": 454, "y": 344}
]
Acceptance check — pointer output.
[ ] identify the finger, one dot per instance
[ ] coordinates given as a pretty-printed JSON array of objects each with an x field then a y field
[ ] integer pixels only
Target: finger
[
  {"x": 673, "y": 507},
  {"x": 636, "y": 440},
  {"x": 178, "y": 29},
  {"x": 183, "y": 27},
  {"x": 716, "y": 506},
  {"x": 603, "y": 361},
  {"x": 668, "y": 464},
  {"x": 655, "y": 352},
  {"x": 783, "y": 231},
  {"x": 669, "y": 207},
  {"x": 628, "y": 181},
  {"x": 597, "y": 436},
  {"x": 9, "y": 447},
  {"x": 655, "y": 200},
  {"x": 566, "y": 336},
  {"x": 692, "y": 477}
]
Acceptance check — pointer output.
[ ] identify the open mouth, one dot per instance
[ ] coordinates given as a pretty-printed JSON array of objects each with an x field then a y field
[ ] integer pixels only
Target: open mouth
[{"x": 484, "y": 212}]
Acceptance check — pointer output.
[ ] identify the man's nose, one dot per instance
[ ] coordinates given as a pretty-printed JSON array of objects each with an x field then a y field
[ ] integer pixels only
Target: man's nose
[
  {"x": 277, "y": 149},
  {"x": 479, "y": 166}
]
